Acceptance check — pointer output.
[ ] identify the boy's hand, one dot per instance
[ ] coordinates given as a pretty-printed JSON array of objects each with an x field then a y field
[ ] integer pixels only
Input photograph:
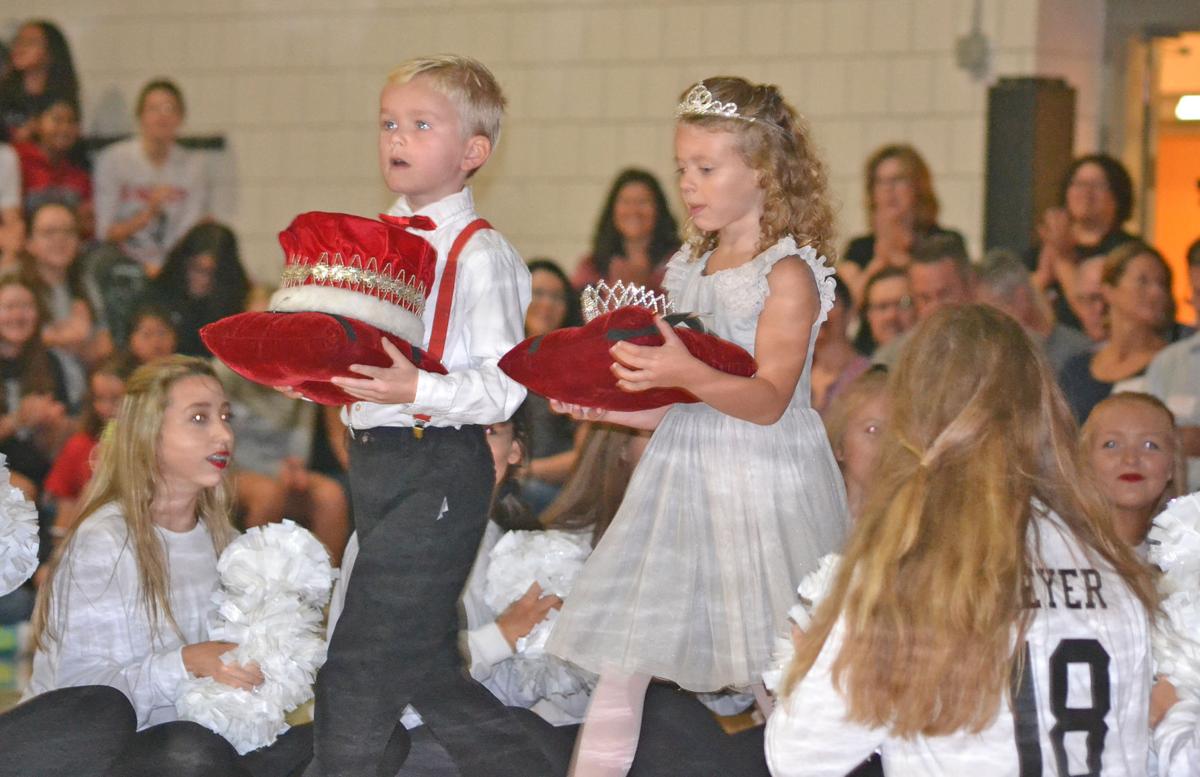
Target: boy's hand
[{"x": 395, "y": 385}]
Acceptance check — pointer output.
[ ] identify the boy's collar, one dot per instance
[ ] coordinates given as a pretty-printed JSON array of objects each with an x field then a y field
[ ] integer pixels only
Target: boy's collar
[{"x": 442, "y": 211}]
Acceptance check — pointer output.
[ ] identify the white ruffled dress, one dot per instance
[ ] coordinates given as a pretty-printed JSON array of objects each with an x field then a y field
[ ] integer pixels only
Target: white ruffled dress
[{"x": 721, "y": 520}]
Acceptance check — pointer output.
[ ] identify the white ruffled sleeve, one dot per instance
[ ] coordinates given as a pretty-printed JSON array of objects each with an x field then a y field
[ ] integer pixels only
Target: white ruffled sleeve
[
  {"x": 822, "y": 272},
  {"x": 18, "y": 534}
]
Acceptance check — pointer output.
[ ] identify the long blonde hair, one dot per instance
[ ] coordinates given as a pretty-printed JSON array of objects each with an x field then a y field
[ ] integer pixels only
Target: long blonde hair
[
  {"x": 933, "y": 580},
  {"x": 778, "y": 145},
  {"x": 127, "y": 473}
]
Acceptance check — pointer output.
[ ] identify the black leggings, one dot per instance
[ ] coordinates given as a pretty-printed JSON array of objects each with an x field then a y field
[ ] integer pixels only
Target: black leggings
[
  {"x": 72, "y": 732},
  {"x": 186, "y": 749}
]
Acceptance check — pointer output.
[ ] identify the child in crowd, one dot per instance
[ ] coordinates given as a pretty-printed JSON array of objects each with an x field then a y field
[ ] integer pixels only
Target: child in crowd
[
  {"x": 421, "y": 475},
  {"x": 151, "y": 336},
  {"x": 855, "y": 423},
  {"x": 986, "y": 618},
  {"x": 1131, "y": 443},
  {"x": 48, "y": 174},
  {"x": 73, "y": 467},
  {"x": 737, "y": 496},
  {"x": 130, "y": 595}
]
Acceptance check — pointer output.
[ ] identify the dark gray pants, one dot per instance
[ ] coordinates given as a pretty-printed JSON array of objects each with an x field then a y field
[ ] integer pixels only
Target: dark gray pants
[{"x": 396, "y": 642}]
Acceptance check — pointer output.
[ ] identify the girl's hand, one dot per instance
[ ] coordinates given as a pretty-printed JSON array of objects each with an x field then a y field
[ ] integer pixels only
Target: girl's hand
[
  {"x": 519, "y": 618},
  {"x": 203, "y": 659},
  {"x": 641, "y": 367},
  {"x": 578, "y": 412},
  {"x": 1162, "y": 698}
]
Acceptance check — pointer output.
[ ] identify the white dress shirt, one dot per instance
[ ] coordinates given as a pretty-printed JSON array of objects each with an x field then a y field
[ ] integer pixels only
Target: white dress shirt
[
  {"x": 491, "y": 293},
  {"x": 102, "y": 635}
]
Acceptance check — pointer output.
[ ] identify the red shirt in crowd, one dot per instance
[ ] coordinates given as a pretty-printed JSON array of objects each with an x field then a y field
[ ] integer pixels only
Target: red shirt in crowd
[
  {"x": 42, "y": 178},
  {"x": 73, "y": 468}
]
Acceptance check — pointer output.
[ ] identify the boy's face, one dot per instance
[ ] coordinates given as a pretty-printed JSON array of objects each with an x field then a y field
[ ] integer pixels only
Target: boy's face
[{"x": 423, "y": 152}]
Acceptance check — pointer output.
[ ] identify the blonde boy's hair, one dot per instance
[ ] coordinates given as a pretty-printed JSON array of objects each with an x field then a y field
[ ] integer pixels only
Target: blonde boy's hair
[{"x": 467, "y": 83}]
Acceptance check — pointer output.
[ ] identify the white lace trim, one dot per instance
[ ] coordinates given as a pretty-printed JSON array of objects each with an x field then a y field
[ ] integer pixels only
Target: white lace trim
[{"x": 822, "y": 272}]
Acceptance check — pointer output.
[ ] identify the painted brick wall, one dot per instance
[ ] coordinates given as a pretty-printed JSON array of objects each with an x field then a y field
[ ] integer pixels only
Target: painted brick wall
[{"x": 592, "y": 84}]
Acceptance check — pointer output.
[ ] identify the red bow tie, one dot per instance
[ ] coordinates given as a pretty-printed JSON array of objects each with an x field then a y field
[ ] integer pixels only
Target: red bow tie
[{"x": 415, "y": 222}]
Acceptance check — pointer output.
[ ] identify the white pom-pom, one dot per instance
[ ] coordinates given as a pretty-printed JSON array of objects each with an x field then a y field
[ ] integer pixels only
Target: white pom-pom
[
  {"x": 18, "y": 534},
  {"x": 1174, "y": 545},
  {"x": 275, "y": 580},
  {"x": 812, "y": 589}
]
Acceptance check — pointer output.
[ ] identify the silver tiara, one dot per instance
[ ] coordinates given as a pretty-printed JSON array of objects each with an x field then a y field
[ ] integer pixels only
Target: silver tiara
[
  {"x": 700, "y": 102},
  {"x": 601, "y": 298}
]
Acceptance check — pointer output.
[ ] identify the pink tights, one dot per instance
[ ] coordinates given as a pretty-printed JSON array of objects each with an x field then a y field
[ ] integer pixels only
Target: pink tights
[{"x": 609, "y": 736}]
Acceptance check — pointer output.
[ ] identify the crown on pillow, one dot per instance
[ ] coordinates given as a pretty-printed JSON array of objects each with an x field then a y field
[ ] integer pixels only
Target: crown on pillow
[{"x": 600, "y": 298}]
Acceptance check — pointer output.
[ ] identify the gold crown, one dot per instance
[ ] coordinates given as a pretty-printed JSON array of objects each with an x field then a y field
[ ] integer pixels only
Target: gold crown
[
  {"x": 387, "y": 284},
  {"x": 700, "y": 102},
  {"x": 601, "y": 298}
]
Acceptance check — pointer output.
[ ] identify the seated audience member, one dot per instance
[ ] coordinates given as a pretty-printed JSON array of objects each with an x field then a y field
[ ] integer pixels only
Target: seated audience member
[
  {"x": 39, "y": 69},
  {"x": 151, "y": 336},
  {"x": 48, "y": 173},
  {"x": 635, "y": 236},
  {"x": 1087, "y": 299},
  {"x": 72, "y": 468},
  {"x": 203, "y": 280},
  {"x": 943, "y": 640},
  {"x": 1137, "y": 290},
  {"x": 939, "y": 275},
  {"x": 902, "y": 208},
  {"x": 34, "y": 402},
  {"x": 1005, "y": 283},
  {"x": 150, "y": 190},
  {"x": 835, "y": 363},
  {"x": 554, "y": 438},
  {"x": 887, "y": 309},
  {"x": 12, "y": 222},
  {"x": 1132, "y": 445},
  {"x": 855, "y": 422},
  {"x": 130, "y": 594},
  {"x": 1095, "y": 202}
]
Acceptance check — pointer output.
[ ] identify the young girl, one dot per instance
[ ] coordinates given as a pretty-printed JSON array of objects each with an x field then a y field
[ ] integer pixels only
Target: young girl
[
  {"x": 855, "y": 422},
  {"x": 737, "y": 496},
  {"x": 130, "y": 594},
  {"x": 986, "y": 619}
]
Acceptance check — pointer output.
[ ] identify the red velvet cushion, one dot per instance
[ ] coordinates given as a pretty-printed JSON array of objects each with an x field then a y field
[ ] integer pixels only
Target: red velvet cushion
[
  {"x": 573, "y": 365},
  {"x": 304, "y": 350}
]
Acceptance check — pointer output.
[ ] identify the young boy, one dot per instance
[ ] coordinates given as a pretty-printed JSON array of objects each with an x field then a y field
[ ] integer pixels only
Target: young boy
[{"x": 421, "y": 473}]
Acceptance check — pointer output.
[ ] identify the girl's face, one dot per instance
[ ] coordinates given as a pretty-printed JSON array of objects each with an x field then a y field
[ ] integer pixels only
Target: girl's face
[
  {"x": 1141, "y": 293},
  {"x": 506, "y": 451},
  {"x": 29, "y": 49},
  {"x": 107, "y": 393},
  {"x": 151, "y": 338},
  {"x": 859, "y": 450},
  {"x": 1089, "y": 197},
  {"x": 161, "y": 116},
  {"x": 719, "y": 189},
  {"x": 1132, "y": 455},
  {"x": 53, "y": 237},
  {"x": 196, "y": 441},
  {"x": 634, "y": 211},
  {"x": 58, "y": 128},
  {"x": 892, "y": 189},
  {"x": 548, "y": 305},
  {"x": 18, "y": 314},
  {"x": 201, "y": 272}
]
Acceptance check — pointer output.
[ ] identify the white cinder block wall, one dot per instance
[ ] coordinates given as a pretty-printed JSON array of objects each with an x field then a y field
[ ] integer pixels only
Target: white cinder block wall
[{"x": 592, "y": 84}]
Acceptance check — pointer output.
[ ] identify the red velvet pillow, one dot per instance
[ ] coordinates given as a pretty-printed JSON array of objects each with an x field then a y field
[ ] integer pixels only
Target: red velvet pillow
[
  {"x": 304, "y": 350},
  {"x": 573, "y": 365}
]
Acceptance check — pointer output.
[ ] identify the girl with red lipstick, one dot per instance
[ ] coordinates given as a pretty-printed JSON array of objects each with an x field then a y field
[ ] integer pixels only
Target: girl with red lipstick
[
  {"x": 1132, "y": 443},
  {"x": 130, "y": 591}
]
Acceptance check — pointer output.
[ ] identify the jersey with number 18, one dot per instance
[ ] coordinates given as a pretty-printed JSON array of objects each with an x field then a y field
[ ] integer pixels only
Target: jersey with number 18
[{"x": 1080, "y": 707}]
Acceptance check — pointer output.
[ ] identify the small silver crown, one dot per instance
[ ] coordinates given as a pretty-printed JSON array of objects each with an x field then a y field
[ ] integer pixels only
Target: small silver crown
[
  {"x": 600, "y": 298},
  {"x": 700, "y": 102}
]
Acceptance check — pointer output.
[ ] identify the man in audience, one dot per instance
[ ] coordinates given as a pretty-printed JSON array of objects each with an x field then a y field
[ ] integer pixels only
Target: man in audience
[
  {"x": 1174, "y": 377},
  {"x": 1086, "y": 299},
  {"x": 1006, "y": 284},
  {"x": 939, "y": 275},
  {"x": 887, "y": 309}
]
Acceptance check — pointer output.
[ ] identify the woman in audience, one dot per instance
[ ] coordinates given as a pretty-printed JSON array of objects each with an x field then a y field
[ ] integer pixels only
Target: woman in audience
[
  {"x": 150, "y": 190},
  {"x": 1136, "y": 284},
  {"x": 203, "y": 280},
  {"x": 34, "y": 421},
  {"x": 39, "y": 69},
  {"x": 855, "y": 423},
  {"x": 1095, "y": 202},
  {"x": 835, "y": 363},
  {"x": 130, "y": 594},
  {"x": 901, "y": 207},
  {"x": 48, "y": 174},
  {"x": 981, "y": 569},
  {"x": 554, "y": 439},
  {"x": 1131, "y": 442},
  {"x": 635, "y": 236}
]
